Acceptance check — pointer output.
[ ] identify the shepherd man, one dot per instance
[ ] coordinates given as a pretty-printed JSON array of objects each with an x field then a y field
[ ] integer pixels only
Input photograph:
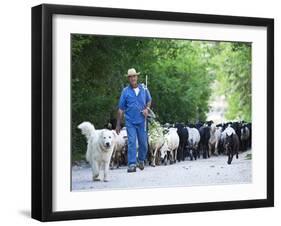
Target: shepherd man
[{"x": 134, "y": 101}]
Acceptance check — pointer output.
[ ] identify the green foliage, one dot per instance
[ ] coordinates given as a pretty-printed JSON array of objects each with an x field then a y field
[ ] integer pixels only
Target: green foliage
[
  {"x": 180, "y": 74},
  {"x": 155, "y": 132},
  {"x": 180, "y": 83},
  {"x": 233, "y": 72},
  {"x": 248, "y": 156}
]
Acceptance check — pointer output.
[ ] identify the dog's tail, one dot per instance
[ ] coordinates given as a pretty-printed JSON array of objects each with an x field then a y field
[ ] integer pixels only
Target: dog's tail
[{"x": 87, "y": 129}]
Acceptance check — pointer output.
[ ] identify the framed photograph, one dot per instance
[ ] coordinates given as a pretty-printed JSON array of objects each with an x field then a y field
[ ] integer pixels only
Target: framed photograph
[{"x": 140, "y": 112}]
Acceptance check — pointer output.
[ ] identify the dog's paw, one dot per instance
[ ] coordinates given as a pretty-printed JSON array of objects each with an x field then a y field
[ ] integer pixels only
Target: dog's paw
[{"x": 96, "y": 178}]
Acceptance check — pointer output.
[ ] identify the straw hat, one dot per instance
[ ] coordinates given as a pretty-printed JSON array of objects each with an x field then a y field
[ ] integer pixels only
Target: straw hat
[{"x": 131, "y": 72}]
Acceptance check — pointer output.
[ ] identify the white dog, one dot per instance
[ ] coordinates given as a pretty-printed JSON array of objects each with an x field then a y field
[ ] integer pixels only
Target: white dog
[{"x": 99, "y": 150}]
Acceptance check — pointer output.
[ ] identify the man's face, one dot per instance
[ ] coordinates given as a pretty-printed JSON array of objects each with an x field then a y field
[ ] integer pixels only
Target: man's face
[{"x": 133, "y": 79}]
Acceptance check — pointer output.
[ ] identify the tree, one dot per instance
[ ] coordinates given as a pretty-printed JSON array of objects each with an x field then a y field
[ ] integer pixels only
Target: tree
[
  {"x": 232, "y": 65},
  {"x": 180, "y": 74}
]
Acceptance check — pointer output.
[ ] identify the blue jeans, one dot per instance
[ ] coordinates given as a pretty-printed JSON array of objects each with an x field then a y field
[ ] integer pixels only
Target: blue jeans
[{"x": 136, "y": 131}]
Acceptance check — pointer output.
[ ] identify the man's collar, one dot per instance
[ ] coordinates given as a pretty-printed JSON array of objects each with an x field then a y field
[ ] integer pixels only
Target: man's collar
[{"x": 138, "y": 86}]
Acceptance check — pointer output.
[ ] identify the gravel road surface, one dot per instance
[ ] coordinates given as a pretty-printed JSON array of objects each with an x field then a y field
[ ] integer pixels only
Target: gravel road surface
[{"x": 210, "y": 171}]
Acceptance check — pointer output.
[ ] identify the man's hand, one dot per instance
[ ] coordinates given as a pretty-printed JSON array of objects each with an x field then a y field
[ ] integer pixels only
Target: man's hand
[
  {"x": 145, "y": 112},
  {"x": 119, "y": 118}
]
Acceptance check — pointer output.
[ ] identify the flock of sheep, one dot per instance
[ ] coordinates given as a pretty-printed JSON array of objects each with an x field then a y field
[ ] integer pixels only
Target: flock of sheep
[{"x": 170, "y": 143}]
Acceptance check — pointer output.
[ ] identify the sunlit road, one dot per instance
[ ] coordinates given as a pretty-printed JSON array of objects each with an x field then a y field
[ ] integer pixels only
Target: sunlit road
[{"x": 210, "y": 171}]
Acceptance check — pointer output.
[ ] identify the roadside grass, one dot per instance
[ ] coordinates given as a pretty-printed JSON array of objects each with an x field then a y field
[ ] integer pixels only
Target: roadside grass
[
  {"x": 248, "y": 156},
  {"x": 77, "y": 157}
]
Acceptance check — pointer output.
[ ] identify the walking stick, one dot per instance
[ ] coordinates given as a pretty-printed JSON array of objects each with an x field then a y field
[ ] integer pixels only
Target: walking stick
[
  {"x": 145, "y": 122},
  {"x": 145, "y": 125}
]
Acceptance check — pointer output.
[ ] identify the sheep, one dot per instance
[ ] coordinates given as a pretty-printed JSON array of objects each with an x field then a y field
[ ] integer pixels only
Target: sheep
[
  {"x": 193, "y": 142},
  {"x": 155, "y": 141},
  {"x": 119, "y": 155},
  {"x": 170, "y": 146},
  {"x": 215, "y": 134}
]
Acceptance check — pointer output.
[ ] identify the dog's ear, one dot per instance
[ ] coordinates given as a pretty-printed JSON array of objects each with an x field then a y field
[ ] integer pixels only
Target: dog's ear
[{"x": 101, "y": 133}]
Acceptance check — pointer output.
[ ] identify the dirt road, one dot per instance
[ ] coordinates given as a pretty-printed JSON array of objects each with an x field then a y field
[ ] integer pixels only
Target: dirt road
[{"x": 210, "y": 171}]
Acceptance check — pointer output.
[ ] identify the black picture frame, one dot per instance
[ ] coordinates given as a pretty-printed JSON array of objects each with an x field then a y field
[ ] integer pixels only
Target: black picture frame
[{"x": 42, "y": 111}]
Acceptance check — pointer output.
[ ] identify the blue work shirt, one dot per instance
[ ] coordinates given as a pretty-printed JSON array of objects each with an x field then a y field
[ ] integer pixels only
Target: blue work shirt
[{"x": 133, "y": 104}]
